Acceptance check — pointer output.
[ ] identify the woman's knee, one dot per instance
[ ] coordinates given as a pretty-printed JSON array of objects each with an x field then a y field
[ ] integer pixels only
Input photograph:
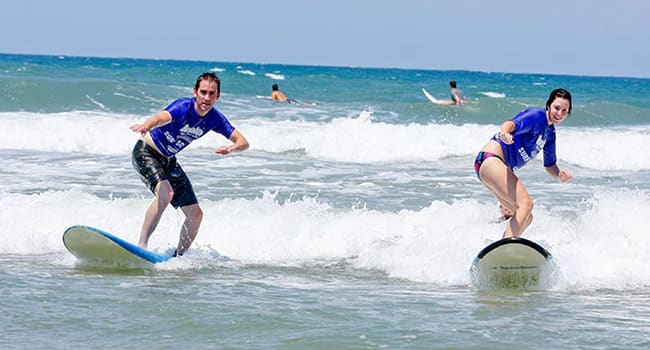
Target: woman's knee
[{"x": 526, "y": 205}]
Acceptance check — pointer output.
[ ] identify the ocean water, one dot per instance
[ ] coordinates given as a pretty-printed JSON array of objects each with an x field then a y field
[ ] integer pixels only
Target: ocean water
[{"x": 348, "y": 225}]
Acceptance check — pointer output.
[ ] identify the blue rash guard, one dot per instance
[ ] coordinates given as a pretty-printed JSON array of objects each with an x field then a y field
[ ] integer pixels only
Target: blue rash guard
[
  {"x": 186, "y": 126},
  {"x": 532, "y": 134}
]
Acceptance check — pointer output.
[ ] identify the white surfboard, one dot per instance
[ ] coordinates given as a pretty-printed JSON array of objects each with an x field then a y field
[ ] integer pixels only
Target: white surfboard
[
  {"x": 511, "y": 263},
  {"x": 94, "y": 246},
  {"x": 435, "y": 100}
]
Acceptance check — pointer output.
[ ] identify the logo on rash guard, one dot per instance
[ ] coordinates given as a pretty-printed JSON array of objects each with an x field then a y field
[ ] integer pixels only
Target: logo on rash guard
[
  {"x": 539, "y": 144},
  {"x": 523, "y": 154},
  {"x": 194, "y": 132}
]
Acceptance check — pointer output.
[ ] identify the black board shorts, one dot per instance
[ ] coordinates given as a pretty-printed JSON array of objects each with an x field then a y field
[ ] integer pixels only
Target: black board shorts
[{"x": 153, "y": 168}]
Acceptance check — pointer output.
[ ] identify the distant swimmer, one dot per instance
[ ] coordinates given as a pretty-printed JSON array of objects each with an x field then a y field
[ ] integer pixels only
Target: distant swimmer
[
  {"x": 457, "y": 95},
  {"x": 521, "y": 139},
  {"x": 278, "y": 95}
]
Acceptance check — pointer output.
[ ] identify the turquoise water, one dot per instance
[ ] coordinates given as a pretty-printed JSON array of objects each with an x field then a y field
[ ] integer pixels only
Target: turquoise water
[{"x": 349, "y": 225}]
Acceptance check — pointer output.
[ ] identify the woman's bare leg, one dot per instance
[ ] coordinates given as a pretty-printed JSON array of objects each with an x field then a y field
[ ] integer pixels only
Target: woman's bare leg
[{"x": 510, "y": 193}]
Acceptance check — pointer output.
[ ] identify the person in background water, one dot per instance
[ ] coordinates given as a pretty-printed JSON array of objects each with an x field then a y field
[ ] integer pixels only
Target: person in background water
[
  {"x": 457, "y": 94},
  {"x": 278, "y": 95},
  {"x": 162, "y": 137},
  {"x": 519, "y": 141}
]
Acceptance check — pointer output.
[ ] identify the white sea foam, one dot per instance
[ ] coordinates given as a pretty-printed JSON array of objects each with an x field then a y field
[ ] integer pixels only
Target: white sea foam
[
  {"x": 605, "y": 246},
  {"x": 88, "y": 132},
  {"x": 96, "y": 103},
  {"x": 274, "y": 76},
  {"x": 605, "y": 148},
  {"x": 246, "y": 72},
  {"x": 493, "y": 94},
  {"x": 348, "y": 139}
]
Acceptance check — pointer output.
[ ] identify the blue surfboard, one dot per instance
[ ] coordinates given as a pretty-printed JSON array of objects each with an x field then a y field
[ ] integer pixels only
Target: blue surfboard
[
  {"x": 513, "y": 262},
  {"x": 92, "y": 245}
]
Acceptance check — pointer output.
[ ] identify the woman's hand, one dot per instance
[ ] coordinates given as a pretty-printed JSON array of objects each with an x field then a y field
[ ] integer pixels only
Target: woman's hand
[{"x": 506, "y": 137}]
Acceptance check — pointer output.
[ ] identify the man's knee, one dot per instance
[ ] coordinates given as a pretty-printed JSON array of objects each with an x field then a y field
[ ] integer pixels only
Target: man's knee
[
  {"x": 194, "y": 213},
  {"x": 198, "y": 215},
  {"x": 164, "y": 191}
]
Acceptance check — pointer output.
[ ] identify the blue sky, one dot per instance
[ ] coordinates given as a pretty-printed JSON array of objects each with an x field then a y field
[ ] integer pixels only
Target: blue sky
[{"x": 582, "y": 37}]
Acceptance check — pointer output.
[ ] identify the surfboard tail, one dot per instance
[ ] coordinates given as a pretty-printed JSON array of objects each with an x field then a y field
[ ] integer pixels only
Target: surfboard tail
[{"x": 92, "y": 245}]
